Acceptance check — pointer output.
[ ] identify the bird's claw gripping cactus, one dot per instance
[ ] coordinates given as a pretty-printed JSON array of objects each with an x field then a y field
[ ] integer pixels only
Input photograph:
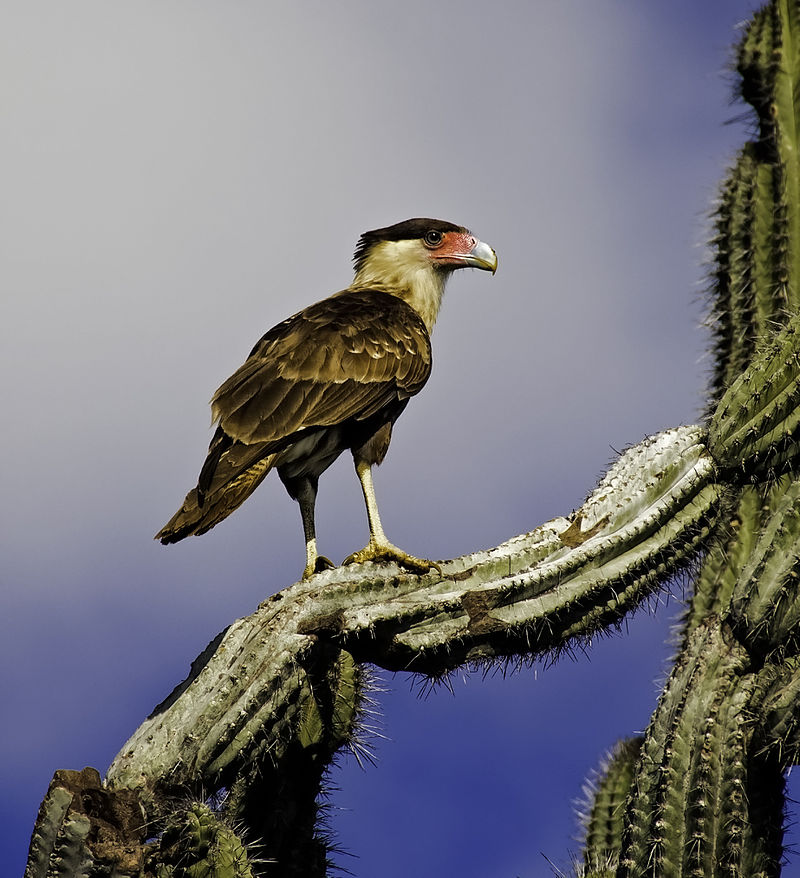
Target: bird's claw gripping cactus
[{"x": 701, "y": 793}]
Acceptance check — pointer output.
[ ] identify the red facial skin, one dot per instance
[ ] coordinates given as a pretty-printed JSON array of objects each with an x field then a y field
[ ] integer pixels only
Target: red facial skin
[{"x": 453, "y": 249}]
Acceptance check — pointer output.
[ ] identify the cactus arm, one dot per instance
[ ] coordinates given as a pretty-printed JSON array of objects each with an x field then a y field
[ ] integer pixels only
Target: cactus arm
[
  {"x": 84, "y": 830},
  {"x": 739, "y": 529},
  {"x": 757, "y": 422},
  {"x": 602, "y": 819},
  {"x": 786, "y": 72},
  {"x": 641, "y": 523},
  {"x": 698, "y": 806},
  {"x": 735, "y": 300},
  {"x": 252, "y": 692},
  {"x": 198, "y": 843},
  {"x": 58, "y": 844},
  {"x": 765, "y": 605},
  {"x": 273, "y": 697},
  {"x": 769, "y": 64},
  {"x": 778, "y": 710}
]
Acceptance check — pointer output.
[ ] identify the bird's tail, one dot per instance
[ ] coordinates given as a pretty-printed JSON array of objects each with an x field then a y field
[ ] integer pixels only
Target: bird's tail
[{"x": 193, "y": 518}]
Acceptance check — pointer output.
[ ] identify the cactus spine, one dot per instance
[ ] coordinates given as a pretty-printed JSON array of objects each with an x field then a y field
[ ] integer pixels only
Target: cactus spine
[
  {"x": 270, "y": 701},
  {"x": 707, "y": 793}
]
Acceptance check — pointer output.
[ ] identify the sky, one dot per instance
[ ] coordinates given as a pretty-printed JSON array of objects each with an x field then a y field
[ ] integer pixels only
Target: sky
[{"x": 179, "y": 177}]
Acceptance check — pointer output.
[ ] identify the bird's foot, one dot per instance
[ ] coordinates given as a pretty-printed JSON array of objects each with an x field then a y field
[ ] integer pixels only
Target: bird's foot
[
  {"x": 321, "y": 563},
  {"x": 386, "y": 552}
]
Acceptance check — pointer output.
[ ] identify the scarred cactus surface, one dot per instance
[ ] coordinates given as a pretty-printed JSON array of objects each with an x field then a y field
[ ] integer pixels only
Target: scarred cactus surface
[{"x": 274, "y": 696}]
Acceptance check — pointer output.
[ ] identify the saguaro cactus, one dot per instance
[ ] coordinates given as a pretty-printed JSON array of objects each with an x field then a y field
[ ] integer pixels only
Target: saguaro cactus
[{"x": 224, "y": 775}]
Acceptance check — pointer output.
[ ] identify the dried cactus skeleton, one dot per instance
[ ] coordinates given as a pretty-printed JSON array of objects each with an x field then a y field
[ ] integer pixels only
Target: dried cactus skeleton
[{"x": 701, "y": 793}]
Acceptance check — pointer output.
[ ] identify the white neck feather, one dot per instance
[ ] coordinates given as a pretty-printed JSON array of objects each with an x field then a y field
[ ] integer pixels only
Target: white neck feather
[{"x": 404, "y": 269}]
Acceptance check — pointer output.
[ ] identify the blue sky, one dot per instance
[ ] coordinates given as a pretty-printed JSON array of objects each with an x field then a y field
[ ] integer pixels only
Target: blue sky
[{"x": 180, "y": 177}]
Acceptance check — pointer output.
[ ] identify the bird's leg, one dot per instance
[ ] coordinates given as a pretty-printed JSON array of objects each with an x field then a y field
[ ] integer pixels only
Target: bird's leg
[
  {"x": 379, "y": 548},
  {"x": 306, "y": 496}
]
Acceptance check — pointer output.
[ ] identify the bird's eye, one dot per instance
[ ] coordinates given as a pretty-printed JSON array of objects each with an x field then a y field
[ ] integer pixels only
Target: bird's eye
[{"x": 433, "y": 238}]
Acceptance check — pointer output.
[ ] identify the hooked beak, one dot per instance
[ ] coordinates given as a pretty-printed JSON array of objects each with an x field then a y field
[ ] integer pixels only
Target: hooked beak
[{"x": 482, "y": 256}]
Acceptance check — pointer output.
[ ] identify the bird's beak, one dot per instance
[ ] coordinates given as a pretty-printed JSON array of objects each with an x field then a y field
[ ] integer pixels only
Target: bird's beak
[{"x": 481, "y": 256}]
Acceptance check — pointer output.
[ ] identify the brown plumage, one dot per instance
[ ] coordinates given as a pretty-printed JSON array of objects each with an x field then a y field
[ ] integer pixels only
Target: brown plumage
[{"x": 333, "y": 377}]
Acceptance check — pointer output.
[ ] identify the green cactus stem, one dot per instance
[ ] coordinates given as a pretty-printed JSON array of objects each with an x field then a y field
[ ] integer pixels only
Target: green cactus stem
[
  {"x": 252, "y": 691},
  {"x": 734, "y": 316},
  {"x": 756, "y": 427},
  {"x": 197, "y": 843},
  {"x": 85, "y": 830},
  {"x": 273, "y": 697},
  {"x": 602, "y": 820},
  {"x": 697, "y": 806},
  {"x": 776, "y": 709},
  {"x": 765, "y": 605},
  {"x": 769, "y": 66},
  {"x": 739, "y": 527},
  {"x": 754, "y": 281}
]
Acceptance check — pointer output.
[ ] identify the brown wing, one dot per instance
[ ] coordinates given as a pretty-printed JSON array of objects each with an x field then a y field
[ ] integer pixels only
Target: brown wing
[{"x": 344, "y": 357}]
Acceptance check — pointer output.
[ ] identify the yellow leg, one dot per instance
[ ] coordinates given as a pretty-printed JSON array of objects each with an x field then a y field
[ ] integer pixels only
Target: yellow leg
[{"x": 379, "y": 548}]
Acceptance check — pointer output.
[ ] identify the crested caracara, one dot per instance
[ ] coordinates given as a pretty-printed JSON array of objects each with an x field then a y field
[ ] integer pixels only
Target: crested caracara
[{"x": 334, "y": 376}]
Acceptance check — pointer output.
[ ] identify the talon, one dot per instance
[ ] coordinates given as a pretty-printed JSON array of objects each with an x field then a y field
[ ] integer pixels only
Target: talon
[
  {"x": 321, "y": 563},
  {"x": 380, "y": 552}
]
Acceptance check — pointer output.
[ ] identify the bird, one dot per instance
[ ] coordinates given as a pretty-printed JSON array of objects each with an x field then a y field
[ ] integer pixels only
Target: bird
[{"x": 331, "y": 378}]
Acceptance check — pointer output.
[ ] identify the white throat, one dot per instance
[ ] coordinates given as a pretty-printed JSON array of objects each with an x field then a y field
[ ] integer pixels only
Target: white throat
[{"x": 404, "y": 269}]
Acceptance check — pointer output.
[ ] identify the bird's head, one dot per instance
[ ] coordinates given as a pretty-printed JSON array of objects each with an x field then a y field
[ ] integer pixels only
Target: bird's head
[
  {"x": 414, "y": 259},
  {"x": 430, "y": 243}
]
